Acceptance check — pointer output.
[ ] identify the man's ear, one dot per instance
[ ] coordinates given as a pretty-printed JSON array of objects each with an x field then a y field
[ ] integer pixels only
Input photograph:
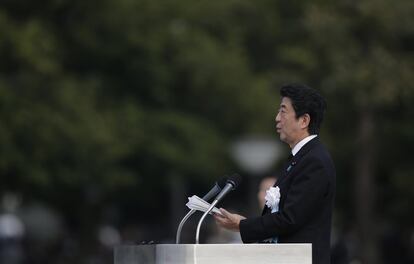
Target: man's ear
[{"x": 305, "y": 121}]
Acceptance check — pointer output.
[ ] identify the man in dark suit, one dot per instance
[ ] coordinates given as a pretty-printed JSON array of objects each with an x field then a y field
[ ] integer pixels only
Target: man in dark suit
[{"x": 306, "y": 183}]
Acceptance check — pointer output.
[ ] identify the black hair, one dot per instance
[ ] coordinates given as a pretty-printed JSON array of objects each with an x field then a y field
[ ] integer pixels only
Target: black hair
[{"x": 306, "y": 100}]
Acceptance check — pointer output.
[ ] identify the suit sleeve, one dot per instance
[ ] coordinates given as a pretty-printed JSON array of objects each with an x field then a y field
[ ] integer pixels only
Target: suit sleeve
[{"x": 310, "y": 185}]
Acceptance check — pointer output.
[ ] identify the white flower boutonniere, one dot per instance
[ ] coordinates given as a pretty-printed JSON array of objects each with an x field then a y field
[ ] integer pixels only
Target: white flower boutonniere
[{"x": 272, "y": 198}]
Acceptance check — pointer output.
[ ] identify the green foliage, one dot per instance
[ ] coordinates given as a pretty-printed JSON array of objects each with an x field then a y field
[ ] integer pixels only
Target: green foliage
[{"x": 120, "y": 94}]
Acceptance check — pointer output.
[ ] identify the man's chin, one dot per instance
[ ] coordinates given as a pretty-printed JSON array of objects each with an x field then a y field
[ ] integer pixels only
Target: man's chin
[{"x": 282, "y": 138}]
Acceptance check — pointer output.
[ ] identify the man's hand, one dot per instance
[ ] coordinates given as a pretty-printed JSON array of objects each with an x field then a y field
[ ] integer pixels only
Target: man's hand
[{"x": 228, "y": 220}]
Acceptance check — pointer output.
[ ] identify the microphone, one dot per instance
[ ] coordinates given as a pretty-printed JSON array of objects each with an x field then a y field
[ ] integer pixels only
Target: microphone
[
  {"x": 218, "y": 186},
  {"x": 231, "y": 184}
]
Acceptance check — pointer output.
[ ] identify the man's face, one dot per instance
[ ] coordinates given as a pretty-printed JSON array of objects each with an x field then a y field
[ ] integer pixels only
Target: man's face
[{"x": 289, "y": 127}]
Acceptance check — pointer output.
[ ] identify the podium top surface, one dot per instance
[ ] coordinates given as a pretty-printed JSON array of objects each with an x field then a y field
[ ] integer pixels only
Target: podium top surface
[{"x": 214, "y": 253}]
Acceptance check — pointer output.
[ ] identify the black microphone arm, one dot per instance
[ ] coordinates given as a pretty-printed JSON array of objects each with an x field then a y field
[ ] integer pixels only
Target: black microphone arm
[
  {"x": 213, "y": 192},
  {"x": 231, "y": 184}
]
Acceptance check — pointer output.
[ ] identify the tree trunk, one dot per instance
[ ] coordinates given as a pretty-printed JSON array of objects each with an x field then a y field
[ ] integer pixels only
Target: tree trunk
[{"x": 365, "y": 187}]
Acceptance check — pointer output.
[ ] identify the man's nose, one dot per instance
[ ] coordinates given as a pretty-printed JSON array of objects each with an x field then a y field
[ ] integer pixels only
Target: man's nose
[{"x": 277, "y": 118}]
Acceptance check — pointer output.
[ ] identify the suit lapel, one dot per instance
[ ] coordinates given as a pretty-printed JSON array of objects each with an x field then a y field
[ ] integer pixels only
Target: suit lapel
[{"x": 296, "y": 159}]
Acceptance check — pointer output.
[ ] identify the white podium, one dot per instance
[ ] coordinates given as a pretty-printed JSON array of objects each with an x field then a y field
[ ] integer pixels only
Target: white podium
[{"x": 214, "y": 254}]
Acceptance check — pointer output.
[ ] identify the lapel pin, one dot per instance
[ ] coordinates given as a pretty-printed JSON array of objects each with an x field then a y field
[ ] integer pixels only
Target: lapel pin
[{"x": 291, "y": 165}]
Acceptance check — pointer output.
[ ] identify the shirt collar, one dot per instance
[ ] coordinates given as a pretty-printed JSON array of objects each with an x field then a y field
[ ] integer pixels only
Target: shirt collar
[{"x": 302, "y": 143}]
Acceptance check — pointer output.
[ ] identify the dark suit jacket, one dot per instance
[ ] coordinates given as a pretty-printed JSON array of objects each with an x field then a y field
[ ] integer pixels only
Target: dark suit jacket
[{"x": 307, "y": 189}]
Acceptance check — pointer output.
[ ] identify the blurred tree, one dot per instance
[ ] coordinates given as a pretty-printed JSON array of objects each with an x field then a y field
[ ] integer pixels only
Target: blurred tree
[{"x": 105, "y": 101}]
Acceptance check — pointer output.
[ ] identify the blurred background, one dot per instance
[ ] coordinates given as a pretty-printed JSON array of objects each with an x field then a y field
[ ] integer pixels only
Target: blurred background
[{"x": 113, "y": 112}]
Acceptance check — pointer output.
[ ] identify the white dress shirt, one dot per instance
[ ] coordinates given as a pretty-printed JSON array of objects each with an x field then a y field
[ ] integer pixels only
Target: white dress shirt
[{"x": 302, "y": 143}]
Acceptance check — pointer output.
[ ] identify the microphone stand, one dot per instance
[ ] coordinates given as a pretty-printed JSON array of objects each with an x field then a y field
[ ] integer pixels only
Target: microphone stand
[
  {"x": 206, "y": 197},
  {"x": 180, "y": 226},
  {"x": 202, "y": 219}
]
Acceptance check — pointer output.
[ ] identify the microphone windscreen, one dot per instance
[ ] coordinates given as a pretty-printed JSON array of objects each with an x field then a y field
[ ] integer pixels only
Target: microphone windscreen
[{"x": 235, "y": 180}]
